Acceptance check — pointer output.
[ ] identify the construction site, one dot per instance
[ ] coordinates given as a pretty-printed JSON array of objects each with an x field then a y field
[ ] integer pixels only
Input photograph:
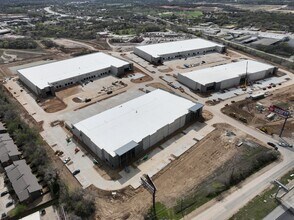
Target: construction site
[
  {"x": 181, "y": 160},
  {"x": 257, "y": 113}
]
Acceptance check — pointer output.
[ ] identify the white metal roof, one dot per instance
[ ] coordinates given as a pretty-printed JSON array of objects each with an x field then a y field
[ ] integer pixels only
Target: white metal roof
[
  {"x": 45, "y": 74},
  {"x": 134, "y": 120},
  {"x": 226, "y": 71},
  {"x": 156, "y": 50}
]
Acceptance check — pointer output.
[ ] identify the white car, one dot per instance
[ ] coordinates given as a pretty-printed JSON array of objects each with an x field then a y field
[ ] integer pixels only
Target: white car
[
  {"x": 283, "y": 144},
  {"x": 66, "y": 160}
]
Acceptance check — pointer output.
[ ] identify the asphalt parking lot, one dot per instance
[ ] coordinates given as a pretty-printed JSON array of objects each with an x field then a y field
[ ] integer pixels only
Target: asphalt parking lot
[{"x": 4, "y": 199}]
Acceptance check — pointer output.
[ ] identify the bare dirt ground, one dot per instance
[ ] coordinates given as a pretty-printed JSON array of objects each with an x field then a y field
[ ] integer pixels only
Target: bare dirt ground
[
  {"x": 5, "y": 68},
  {"x": 177, "y": 180},
  {"x": 100, "y": 44},
  {"x": 256, "y": 7},
  {"x": 145, "y": 78},
  {"x": 207, "y": 115},
  {"x": 64, "y": 93},
  {"x": 53, "y": 105},
  {"x": 165, "y": 70},
  {"x": 247, "y": 109},
  {"x": 160, "y": 86},
  {"x": 11, "y": 55},
  {"x": 67, "y": 43}
]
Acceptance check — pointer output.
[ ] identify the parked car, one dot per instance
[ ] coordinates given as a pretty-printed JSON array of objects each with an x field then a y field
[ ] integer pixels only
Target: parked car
[
  {"x": 272, "y": 145},
  {"x": 3, "y": 215},
  {"x": 95, "y": 162},
  {"x": 43, "y": 212},
  {"x": 9, "y": 204},
  {"x": 66, "y": 160},
  {"x": 57, "y": 152},
  {"x": 4, "y": 193},
  {"x": 283, "y": 144},
  {"x": 77, "y": 150},
  {"x": 76, "y": 172}
]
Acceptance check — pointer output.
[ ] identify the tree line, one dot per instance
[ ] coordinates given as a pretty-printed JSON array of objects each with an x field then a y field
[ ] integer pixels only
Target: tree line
[{"x": 78, "y": 204}]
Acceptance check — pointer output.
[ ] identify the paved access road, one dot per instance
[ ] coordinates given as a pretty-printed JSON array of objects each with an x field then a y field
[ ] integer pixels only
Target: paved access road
[{"x": 232, "y": 203}]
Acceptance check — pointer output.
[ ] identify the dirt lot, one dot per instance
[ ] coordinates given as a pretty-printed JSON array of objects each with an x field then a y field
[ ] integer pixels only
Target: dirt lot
[
  {"x": 145, "y": 78},
  {"x": 179, "y": 179},
  {"x": 9, "y": 56},
  {"x": 160, "y": 86},
  {"x": 255, "y": 112},
  {"x": 6, "y": 71},
  {"x": 64, "y": 93},
  {"x": 53, "y": 105}
]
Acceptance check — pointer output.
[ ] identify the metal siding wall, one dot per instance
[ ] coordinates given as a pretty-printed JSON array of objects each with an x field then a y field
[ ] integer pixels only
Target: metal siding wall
[
  {"x": 156, "y": 137},
  {"x": 174, "y": 126},
  {"x": 165, "y": 131},
  {"x": 182, "y": 120},
  {"x": 97, "y": 151},
  {"x": 257, "y": 75},
  {"x": 28, "y": 83},
  {"x": 75, "y": 131},
  {"x": 146, "y": 142},
  {"x": 106, "y": 155},
  {"x": 87, "y": 141},
  {"x": 230, "y": 83},
  {"x": 143, "y": 55},
  {"x": 114, "y": 161},
  {"x": 188, "y": 82}
]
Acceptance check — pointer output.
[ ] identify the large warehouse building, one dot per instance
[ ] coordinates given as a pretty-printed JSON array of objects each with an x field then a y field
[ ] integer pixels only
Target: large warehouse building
[
  {"x": 123, "y": 133},
  {"x": 158, "y": 53},
  {"x": 45, "y": 79},
  {"x": 226, "y": 76}
]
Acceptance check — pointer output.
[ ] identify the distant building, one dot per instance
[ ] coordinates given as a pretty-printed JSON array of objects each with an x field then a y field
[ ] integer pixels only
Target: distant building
[
  {"x": 158, "y": 53},
  {"x": 267, "y": 41},
  {"x": 120, "y": 135},
  {"x": 24, "y": 183},
  {"x": 226, "y": 76},
  {"x": 5, "y": 31},
  {"x": 45, "y": 79}
]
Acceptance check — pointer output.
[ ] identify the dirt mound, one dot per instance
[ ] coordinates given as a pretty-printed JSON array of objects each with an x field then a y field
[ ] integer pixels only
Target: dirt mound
[{"x": 77, "y": 100}]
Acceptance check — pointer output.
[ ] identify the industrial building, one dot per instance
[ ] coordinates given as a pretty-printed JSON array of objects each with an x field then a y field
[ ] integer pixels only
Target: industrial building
[
  {"x": 122, "y": 134},
  {"x": 158, "y": 53},
  {"x": 45, "y": 79},
  {"x": 226, "y": 76}
]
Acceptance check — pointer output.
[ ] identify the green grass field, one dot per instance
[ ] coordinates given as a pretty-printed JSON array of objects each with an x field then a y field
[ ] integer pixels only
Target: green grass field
[
  {"x": 261, "y": 205},
  {"x": 187, "y": 14},
  {"x": 190, "y": 14}
]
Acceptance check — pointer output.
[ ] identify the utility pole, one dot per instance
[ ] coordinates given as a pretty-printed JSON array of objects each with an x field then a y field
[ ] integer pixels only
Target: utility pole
[
  {"x": 284, "y": 113},
  {"x": 150, "y": 186},
  {"x": 283, "y": 126}
]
